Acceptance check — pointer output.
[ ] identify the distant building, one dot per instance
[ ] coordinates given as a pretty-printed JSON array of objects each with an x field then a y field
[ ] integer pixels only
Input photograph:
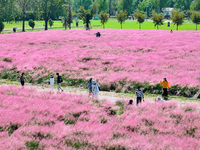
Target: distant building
[{"x": 167, "y": 11}]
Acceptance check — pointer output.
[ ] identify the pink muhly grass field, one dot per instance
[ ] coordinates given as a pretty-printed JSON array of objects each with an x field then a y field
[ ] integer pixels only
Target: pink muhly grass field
[
  {"x": 131, "y": 55},
  {"x": 69, "y": 121}
]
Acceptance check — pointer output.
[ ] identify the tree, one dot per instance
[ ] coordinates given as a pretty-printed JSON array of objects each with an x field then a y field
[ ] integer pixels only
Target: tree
[
  {"x": 23, "y": 6},
  {"x": 51, "y": 22},
  {"x": 159, "y": 4},
  {"x": 68, "y": 18},
  {"x": 196, "y": 18},
  {"x": 122, "y": 17},
  {"x": 102, "y": 5},
  {"x": 86, "y": 15},
  {"x": 31, "y": 23},
  {"x": 157, "y": 19},
  {"x": 104, "y": 18},
  {"x": 177, "y": 18},
  {"x": 125, "y": 5},
  {"x": 140, "y": 18},
  {"x": 195, "y": 5},
  {"x": 1, "y": 26}
]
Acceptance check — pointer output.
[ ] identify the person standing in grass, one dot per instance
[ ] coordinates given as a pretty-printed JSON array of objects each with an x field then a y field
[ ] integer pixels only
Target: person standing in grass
[
  {"x": 22, "y": 79},
  {"x": 95, "y": 89},
  {"x": 51, "y": 82},
  {"x": 139, "y": 95},
  {"x": 165, "y": 85},
  {"x": 59, "y": 81},
  {"x": 89, "y": 85}
]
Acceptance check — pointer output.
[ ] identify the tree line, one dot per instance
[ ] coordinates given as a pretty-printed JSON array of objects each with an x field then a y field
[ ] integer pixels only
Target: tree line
[{"x": 23, "y": 10}]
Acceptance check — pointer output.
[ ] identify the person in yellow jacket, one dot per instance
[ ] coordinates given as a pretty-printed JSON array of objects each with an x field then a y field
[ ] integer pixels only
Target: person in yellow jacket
[{"x": 165, "y": 85}]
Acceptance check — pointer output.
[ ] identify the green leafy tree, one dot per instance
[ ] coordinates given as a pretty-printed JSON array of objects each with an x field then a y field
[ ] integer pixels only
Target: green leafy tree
[
  {"x": 177, "y": 18},
  {"x": 102, "y": 5},
  {"x": 140, "y": 18},
  {"x": 122, "y": 17},
  {"x": 125, "y": 5},
  {"x": 1, "y": 26},
  {"x": 196, "y": 18},
  {"x": 86, "y": 15},
  {"x": 195, "y": 5},
  {"x": 157, "y": 19},
  {"x": 31, "y": 23},
  {"x": 104, "y": 18},
  {"x": 68, "y": 18},
  {"x": 51, "y": 22}
]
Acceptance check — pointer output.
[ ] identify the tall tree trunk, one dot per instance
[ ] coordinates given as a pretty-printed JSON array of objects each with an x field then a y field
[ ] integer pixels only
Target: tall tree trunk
[
  {"x": 177, "y": 28},
  {"x": 23, "y": 24},
  {"x": 196, "y": 27},
  {"x": 139, "y": 25},
  {"x": 157, "y": 27},
  {"x": 46, "y": 23},
  {"x": 110, "y": 2},
  {"x": 121, "y": 25}
]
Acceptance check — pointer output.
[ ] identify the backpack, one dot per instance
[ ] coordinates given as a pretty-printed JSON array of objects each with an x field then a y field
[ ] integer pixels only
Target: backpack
[{"x": 61, "y": 80}]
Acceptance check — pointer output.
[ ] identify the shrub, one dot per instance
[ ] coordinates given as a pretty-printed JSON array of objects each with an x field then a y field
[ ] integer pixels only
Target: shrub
[
  {"x": 104, "y": 87},
  {"x": 31, "y": 23},
  {"x": 32, "y": 145},
  {"x": 51, "y": 22}
]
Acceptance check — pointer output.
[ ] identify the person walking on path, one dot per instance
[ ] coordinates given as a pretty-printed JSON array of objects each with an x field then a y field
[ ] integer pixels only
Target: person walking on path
[
  {"x": 51, "y": 81},
  {"x": 22, "y": 79},
  {"x": 59, "y": 81},
  {"x": 165, "y": 85},
  {"x": 95, "y": 89},
  {"x": 139, "y": 95},
  {"x": 89, "y": 85}
]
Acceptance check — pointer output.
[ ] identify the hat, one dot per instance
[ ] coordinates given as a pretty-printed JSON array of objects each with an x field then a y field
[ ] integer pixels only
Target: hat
[{"x": 159, "y": 97}]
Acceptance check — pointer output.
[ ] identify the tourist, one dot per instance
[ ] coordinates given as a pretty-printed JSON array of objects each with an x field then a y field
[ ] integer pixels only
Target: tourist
[
  {"x": 95, "y": 89},
  {"x": 89, "y": 85},
  {"x": 51, "y": 81},
  {"x": 59, "y": 81},
  {"x": 139, "y": 95},
  {"x": 158, "y": 100},
  {"x": 22, "y": 79},
  {"x": 165, "y": 85},
  {"x": 98, "y": 34},
  {"x": 130, "y": 103}
]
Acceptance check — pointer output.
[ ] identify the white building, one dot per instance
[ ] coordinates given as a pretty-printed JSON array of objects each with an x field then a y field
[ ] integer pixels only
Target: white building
[{"x": 167, "y": 11}]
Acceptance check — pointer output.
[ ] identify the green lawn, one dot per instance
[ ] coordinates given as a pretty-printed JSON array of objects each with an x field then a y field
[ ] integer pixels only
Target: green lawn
[{"x": 111, "y": 24}]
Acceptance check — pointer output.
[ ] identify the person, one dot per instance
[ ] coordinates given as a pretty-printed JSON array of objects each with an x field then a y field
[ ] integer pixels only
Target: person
[
  {"x": 95, "y": 89},
  {"x": 158, "y": 100},
  {"x": 98, "y": 34},
  {"x": 165, "y": 85},
  {"x": 139, "y": 95},
  {"x": 129, "y": 103},
  {"x": 171, "y": 31},
  {"x": 59, "y": 81},
  {"x": 14, "y": 29},
  {"x": 89, "y": 85},
  {"x": 51, "y": 81},
  {"x": 22, "y": 79}
]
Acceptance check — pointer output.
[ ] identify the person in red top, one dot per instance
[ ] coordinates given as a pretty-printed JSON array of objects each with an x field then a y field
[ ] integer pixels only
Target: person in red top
[{"x": 165, "y": 85}]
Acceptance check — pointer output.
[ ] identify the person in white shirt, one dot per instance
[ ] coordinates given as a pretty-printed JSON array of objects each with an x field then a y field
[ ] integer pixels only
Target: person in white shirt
[
  {"x": 158, "y": 100},
  {"x": 51, "y": 82},
  {"x": 95, "y": 89}
]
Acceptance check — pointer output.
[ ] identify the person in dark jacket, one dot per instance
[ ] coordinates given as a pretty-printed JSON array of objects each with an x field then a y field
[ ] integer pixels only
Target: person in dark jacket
[
  {"x": 59, "y": 81},
  {"x": 22, "y": 79},
  {"x": 89, "y": 85},
  {"x": 139, "y": 95}
]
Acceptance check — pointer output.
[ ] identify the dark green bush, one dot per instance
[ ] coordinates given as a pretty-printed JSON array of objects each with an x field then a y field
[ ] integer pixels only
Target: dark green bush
[
  {"x": 31, "y": 23},
  {"x": 1, "y": 26},
  {"x": 104, "y": 87},
  {"x": 32, "y": 145}
]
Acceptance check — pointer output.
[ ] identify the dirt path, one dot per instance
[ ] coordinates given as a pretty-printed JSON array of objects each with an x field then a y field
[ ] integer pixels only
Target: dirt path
[{"x": 110, "y": 96}]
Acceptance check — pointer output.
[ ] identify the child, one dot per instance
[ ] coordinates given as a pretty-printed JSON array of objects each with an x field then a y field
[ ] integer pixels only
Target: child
[
  {"x": 129, "y": 103},
  {"x": 89, "y": 85},
  {"x": 95, "y": 89},
  {"x": 158, "y": 100},
  {"x": 51, "y": 82}
]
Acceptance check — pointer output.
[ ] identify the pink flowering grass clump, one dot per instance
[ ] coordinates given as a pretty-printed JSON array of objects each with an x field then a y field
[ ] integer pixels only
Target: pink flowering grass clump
[
  {"x": 119, "y": 55},
  {"x": 30, "y": 119}
]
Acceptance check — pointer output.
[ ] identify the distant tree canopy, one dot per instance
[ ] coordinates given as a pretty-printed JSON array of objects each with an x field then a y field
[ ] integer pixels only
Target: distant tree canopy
[
  {"x": 195, "y": 17},
  {"x": 1, "y": 26},
  {"x": 122, "y": 17},
  {"x": 140, "y": 18},
  {"x": 104, "y": 18},
  {"x": 177, "y": 18},
  {"x": 157, "y": 19}
]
